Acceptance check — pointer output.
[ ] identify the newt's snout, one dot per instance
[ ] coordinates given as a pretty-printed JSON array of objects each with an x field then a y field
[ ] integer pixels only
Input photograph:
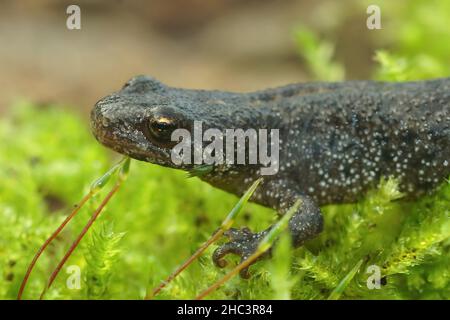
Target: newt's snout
[
  {"x": 105, "y": 121},
  {"x": 97, "y": 121},
  {"x": 117, "y": 122}
]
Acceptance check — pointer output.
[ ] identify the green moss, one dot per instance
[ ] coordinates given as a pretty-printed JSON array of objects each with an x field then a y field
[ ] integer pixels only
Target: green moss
[{"x": 49, "y": 159}]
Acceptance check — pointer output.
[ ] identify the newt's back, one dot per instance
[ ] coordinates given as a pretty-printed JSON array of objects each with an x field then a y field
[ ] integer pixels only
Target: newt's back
[{"x": 344, "y": 137}]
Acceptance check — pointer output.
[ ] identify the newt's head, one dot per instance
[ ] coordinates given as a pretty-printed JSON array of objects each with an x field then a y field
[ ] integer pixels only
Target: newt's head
[
  {"x": 139, "y": 119},
  {"x": 180, "y": 128}
]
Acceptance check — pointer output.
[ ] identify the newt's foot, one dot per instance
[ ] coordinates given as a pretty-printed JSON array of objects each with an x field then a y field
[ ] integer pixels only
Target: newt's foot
[{"x": 243, "y": 243}]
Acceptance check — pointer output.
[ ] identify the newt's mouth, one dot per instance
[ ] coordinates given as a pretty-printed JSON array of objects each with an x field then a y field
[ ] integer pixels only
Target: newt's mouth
[{"x": 126, "y": 138}]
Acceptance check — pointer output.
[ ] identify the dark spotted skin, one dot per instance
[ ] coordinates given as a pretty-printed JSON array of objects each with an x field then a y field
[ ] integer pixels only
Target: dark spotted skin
[{"x": 337, "y": 140}]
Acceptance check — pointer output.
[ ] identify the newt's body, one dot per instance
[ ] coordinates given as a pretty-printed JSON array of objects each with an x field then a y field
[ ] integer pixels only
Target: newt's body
[{"x": 336, "y": 140}]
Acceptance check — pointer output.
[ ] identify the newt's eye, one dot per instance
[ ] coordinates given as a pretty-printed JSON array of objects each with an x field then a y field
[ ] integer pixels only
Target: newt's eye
[{"x": 161, "y": 128}]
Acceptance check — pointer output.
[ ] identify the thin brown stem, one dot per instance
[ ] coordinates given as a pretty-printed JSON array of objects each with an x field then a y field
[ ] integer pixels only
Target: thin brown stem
[
  {"x": 185, "y": 264},
  {"x": 230, "y": 274},
  {"x": 226, "y": 224},
  {"x": 80, "y": 236},
  {"x": 49, "y": 240},
  {"x": 265, "y": 244}
]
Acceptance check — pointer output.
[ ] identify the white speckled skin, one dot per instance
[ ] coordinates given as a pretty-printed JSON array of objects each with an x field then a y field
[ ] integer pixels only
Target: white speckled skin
[{"x": 337, "y": 140}]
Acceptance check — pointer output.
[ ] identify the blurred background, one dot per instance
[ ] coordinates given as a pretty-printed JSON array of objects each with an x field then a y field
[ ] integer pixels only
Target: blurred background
[{"x": 222, "y": 44}]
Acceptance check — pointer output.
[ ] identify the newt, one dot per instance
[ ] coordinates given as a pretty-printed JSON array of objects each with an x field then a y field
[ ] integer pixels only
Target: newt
[{"x": 337, "y": 140}]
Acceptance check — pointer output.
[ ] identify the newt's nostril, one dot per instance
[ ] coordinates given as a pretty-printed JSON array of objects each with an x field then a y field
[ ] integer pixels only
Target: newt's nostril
[{"x": 98, "y": 121}]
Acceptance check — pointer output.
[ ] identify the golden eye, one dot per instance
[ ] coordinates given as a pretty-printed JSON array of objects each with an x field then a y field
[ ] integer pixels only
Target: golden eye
[{"x": 161, "y": 128}]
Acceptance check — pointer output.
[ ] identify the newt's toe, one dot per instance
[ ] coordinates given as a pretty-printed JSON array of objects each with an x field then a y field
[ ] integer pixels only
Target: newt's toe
[{"x": 242, "y": 243}]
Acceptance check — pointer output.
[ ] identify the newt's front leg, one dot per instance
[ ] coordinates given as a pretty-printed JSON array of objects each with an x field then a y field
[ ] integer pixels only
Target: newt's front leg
[{"x": 306, "y": 223}]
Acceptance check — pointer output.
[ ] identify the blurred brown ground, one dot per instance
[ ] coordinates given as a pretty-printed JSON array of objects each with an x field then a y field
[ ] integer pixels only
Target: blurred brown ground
[{"x": 222, "y": 44}]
